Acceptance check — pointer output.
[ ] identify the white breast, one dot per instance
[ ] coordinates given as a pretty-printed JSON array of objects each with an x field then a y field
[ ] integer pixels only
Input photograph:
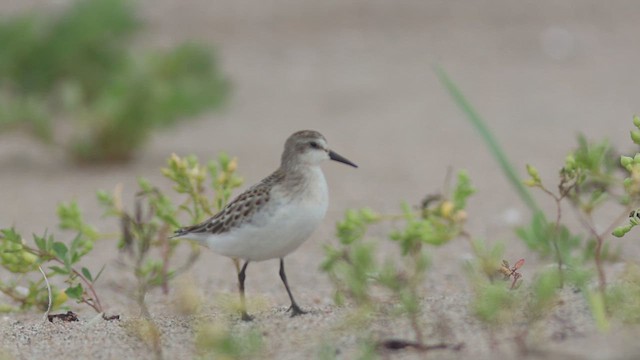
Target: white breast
[{"x": 280, "y": 228}]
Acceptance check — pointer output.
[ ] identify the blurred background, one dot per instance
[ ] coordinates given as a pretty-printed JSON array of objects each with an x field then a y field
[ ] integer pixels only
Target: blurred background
[{"x": 86, "y": 107}]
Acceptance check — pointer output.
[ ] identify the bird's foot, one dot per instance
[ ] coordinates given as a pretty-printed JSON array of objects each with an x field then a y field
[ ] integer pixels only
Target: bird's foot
[
  {"x": 246, "y": 317},
  {"x": 295, "y": 310}
]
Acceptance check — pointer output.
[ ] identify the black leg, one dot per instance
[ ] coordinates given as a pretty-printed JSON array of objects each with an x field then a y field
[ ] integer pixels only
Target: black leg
[
  {"x": 241, "y": 277},
  {"x": 295, "y": 309}
]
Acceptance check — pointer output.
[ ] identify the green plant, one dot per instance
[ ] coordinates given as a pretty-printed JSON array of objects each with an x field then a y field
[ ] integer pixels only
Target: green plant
[
  {"x": 588, "y": 180},
  {"x": 357, "y": 273},
  {"x": 79, "y": 68},
  {"x": 218, "y": 341},
  {"x": 144, "y": 233},
  {"x": 521, "y": 308},
  {"x": 631, "y": 184},
  {"x": 148, "y": 226},
  {"x": 514, "y": 308},
  {"x": 61, "y": 259},
  {"x": 151, "y": 221},
  {"x": 551, "y": 240}
]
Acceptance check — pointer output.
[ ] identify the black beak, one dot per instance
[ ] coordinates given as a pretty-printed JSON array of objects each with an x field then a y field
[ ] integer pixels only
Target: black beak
[{"x": 337, "y": 157}]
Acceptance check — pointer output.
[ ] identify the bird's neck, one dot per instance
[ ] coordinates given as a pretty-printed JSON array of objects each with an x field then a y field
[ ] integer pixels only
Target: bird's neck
[{"x": 303, "y": 177}]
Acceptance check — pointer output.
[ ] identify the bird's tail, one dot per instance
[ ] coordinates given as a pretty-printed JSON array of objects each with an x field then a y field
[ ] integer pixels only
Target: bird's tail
[{"x": 179, "y": 233}]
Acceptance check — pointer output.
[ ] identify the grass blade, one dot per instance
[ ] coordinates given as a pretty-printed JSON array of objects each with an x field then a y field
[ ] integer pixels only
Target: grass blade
[{"x": 489, "y": 139}]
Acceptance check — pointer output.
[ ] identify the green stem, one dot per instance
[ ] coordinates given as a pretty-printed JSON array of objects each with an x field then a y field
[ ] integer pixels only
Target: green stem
[{"x": 556, "y": 229}]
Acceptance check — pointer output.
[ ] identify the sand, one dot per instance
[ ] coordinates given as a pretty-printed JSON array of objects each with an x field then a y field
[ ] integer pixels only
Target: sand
[{"x": 361, "y": 73}]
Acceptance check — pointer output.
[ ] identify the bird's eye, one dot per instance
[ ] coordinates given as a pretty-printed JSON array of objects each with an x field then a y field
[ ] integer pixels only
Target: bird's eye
[{"x": 314, "y": 145}]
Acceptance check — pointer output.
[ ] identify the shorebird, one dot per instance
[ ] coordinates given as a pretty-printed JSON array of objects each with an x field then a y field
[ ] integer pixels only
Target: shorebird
[{"x": 275, "y": 216}]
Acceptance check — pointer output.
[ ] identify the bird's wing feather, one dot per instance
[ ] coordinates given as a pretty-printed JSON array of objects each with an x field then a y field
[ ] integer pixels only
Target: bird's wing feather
[{"x": 240, "y": 210}]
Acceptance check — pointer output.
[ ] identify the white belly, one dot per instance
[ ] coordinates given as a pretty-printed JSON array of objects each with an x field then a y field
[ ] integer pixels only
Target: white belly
[{"x": 277, "y": 230}]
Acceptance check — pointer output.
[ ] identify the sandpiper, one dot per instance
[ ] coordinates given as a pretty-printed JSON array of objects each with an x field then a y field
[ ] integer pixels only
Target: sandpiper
[{"x": 274, "y": 217}]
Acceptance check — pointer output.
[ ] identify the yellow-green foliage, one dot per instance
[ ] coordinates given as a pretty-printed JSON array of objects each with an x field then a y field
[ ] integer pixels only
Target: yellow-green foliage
[
  {"x": 357, "y": 272},
  {"x": 78, "y": 66},
  {"x": 60, "y": 259},
  {"x": 144, "y": 228}
]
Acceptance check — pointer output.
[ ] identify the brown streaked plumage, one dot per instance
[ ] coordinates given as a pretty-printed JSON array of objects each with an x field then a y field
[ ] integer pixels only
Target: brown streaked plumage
[{"x": 238, "y": 211}]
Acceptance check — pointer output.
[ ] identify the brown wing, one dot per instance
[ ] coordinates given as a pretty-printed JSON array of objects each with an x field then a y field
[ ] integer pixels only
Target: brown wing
[{"x": 237, "y": 211}]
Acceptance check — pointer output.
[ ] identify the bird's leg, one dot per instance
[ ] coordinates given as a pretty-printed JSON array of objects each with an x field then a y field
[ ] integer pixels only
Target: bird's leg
[
  {"x": 295, "y": 309},
  {"x": 243, "y": 304}
]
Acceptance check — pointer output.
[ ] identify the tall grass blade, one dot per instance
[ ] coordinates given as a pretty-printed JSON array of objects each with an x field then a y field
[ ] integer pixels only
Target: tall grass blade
[{"x": 489, "y": 139}]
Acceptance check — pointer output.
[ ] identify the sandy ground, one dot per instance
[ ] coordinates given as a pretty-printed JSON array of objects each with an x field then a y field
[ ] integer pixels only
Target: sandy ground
[{"x": 361, "y": 73}]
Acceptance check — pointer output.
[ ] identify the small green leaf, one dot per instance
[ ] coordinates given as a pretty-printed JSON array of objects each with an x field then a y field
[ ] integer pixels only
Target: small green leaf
[
  {"x": 463, "y": 190},
  {"x": 11, "y": 235},
  {"x": 59, "y": 270},
  {"x": 60, "y": 250},
  {"x": 75, "y": 257},
  {"x": 635, "y": 136},
  {"x": 75, "y": 292},
  {"x": 105, "y": 198},
  {"x": 41, "y": 242},
  {"x": 87, "y": 274},
  {"x": 70, "y": 218}
]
